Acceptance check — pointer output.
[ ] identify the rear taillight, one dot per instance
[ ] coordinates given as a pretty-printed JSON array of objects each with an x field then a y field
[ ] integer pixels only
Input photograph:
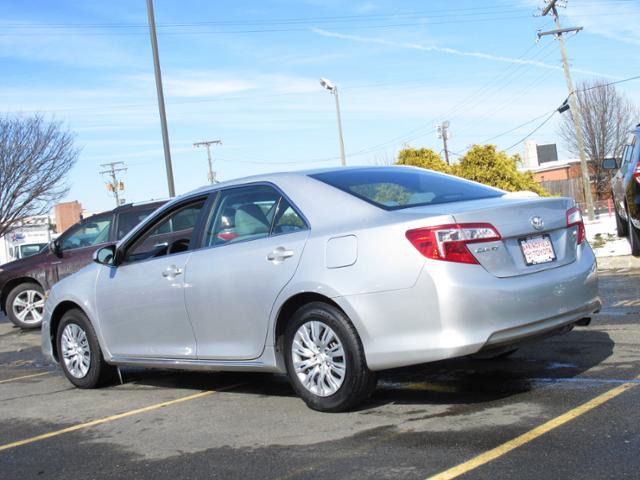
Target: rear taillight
[
  {"x": 574, "y": 218},
  {"x": 449, "y": 242},
  {"x": 636, "y": 173}
]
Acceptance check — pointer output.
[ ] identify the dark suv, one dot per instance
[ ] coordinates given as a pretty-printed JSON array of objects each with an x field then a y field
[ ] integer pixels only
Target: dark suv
[
  {"x": 23, "y": 282},
  {"x": 625, "y": 190}
]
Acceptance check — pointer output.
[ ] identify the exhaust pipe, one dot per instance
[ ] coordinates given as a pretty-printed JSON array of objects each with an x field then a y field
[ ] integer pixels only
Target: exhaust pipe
[{"x": 583, "y": 322}]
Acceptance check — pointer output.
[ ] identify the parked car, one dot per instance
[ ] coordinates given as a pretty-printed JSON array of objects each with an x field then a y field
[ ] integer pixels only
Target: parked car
[
  {"x": 329, "y": 276},
  {"x": 625, "y": 191},
  {"x": 23, "y": 283},
  {"x": 26, "y": 250}
]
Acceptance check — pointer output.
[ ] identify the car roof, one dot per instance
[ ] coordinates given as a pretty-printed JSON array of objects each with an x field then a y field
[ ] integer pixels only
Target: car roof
[
  {"x": 269, "y": 177},
  {"x": 130, "y": 206}
]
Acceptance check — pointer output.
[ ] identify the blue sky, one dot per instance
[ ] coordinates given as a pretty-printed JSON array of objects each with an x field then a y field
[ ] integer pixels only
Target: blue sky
[{"x": 247, "y": 72}]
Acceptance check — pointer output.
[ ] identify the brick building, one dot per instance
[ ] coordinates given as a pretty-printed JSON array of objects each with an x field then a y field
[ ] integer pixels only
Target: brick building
[{"x": 67, "y": 213}]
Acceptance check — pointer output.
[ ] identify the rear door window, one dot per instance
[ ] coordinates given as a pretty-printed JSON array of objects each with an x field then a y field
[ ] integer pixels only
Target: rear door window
[
  {"x": 242, "y": 214},
  {"x": 251, "y": 213},
  {"x": 394, "y": 188}
]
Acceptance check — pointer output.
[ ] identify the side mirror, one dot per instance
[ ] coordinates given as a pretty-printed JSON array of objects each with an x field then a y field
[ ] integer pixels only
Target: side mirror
[
  {"x": 609, "y": 164},
  {"x": 106, "y": 255},
  {"x": 54, "y": 247}
]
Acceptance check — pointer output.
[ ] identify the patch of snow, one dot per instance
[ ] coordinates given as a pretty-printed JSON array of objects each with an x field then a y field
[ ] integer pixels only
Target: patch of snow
[{"x": 605, "y": 225}]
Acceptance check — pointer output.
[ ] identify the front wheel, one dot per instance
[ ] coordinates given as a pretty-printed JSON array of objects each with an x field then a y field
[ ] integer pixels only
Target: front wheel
[
  {"x": 79, "y": 352},
  {"x": 325, "y": 359}
]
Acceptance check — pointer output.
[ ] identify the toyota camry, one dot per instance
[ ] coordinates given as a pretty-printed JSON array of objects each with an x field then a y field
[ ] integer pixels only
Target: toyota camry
[{"x": 328, "y": 276}]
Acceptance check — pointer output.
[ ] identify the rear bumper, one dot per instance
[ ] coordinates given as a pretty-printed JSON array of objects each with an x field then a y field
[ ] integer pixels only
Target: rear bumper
[{"x": 456, "y": 310}]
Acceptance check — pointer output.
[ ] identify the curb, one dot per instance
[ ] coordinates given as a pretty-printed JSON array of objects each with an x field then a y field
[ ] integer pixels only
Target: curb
[{"x": 617, "y": 262}]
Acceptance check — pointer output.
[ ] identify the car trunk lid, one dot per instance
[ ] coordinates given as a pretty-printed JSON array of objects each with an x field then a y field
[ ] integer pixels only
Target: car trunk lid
[{"x": 524, "y": 224}]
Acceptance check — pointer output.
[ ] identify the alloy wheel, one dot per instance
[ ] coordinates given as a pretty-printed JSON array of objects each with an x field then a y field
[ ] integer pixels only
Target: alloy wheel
[
  {"x": 28, "y": 306},
  {"x": 76, "y": 352},
  {"x": 318, "y": 358}
]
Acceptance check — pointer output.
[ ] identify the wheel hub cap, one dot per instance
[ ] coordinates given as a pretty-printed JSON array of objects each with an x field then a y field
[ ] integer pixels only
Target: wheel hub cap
[
  {"x": 28, "y": 306},
  {"x": 76, "y": 352},
  {"x": 318, "y": 358}
]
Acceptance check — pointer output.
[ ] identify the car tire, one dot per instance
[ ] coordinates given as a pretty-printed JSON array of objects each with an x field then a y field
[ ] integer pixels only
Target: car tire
[
  {"x": 320, "y": 340},
  {"x": 79, "y": 352},
  {"x": 634, "y": 237},
  {"x": 25, "y": 305},
  {"x": 622, "y": 228}
]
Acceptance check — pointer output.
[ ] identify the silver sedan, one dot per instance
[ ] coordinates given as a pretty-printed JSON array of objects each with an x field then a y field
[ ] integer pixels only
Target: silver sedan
[{"x": 328, "y": 276}]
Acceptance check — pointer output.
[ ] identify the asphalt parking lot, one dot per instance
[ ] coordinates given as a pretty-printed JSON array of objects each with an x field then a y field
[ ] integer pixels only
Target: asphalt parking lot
[{"x": 564, "y": 407}]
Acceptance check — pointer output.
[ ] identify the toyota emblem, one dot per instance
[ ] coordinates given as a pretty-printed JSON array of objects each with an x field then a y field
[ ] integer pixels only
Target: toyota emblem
[{"x": 537, "y": 222}]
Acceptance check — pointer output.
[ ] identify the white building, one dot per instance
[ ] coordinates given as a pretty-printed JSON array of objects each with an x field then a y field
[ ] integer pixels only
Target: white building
[{"x": 24, "y": 238}]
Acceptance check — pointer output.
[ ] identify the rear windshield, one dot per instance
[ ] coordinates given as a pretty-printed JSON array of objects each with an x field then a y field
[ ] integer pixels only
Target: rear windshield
[{"x": 393, "y": 188}]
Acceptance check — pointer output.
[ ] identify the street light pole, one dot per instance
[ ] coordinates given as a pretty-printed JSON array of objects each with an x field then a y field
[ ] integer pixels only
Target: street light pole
[
  {"x": 163, "y": 114},
  {"x": 334, "y": 90}
]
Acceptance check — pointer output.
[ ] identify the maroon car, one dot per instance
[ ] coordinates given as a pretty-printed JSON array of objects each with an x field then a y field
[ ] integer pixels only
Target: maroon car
[{"x": 23, "y": 282}]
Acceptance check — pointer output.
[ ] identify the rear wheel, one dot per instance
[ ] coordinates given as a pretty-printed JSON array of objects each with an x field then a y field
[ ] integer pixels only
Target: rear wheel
[
  {"x": 25, "y": 305},
  {"x": 634, "y": 237},
  {"x": 622, "y": 227},
  {"x": 325, "y": 359},
  {"x": 79, "y": 352}
]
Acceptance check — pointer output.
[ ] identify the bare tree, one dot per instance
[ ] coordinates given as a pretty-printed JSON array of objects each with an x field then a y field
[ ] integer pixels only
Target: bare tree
[
  {"x": 607, "y": 117},
  {"x": 35, "y": 158}
]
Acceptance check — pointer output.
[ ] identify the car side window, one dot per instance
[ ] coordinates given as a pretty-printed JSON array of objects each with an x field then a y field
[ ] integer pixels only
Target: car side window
[
  {"x": 128, "y": 220},
  {"x": 633, "y": 155},
  {"x": 88, "y": 233},
  {"x": 172, "y": 233},
  {"x": 626, "y": 155},
  {"x": 244, "y": 213},
  {"x": 287, "y": 220}
]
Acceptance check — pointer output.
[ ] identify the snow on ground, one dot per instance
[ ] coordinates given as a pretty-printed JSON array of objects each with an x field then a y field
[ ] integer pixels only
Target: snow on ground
[{"x": 602, "y": 236}]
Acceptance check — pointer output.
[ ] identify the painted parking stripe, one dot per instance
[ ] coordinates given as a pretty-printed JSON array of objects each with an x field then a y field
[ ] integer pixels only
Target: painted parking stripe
[
  {"x": 24, "y": 376},
  {"x": 111, "y": 418},
  {"x": 552, "y": 424}
]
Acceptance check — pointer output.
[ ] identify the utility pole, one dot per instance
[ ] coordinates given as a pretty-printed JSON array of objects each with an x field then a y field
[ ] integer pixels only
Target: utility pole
[
  {"x": 163, "y": 113},
  {"x": 114, "y": 185},
  {"x": 443, "y": 132},
  {"x": 573, "y": 101},
  {"x": 207, "y": 144}
]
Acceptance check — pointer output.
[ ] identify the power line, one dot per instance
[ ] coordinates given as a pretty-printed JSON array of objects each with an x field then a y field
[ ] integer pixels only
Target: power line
[
  {"x": 637, "y": 77},
  {"x": 531, "y": 132},
  {"x": 518, "y": 127}
]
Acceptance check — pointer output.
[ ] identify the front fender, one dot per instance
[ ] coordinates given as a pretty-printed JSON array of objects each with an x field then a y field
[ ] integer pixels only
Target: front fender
[{"x": 77, "y": 290}]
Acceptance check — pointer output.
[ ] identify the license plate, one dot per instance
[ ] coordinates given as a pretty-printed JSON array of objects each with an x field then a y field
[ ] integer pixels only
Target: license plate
[{"x": 537, "y": 250}]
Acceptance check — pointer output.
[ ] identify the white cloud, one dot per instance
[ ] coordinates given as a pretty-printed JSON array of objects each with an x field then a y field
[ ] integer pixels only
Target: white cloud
[
  {"x": 449, "y": 51},
  {"x": 597, "y": 18},
  {"x": 65, "y": 46},
  {"x": 366, "y": 7}
]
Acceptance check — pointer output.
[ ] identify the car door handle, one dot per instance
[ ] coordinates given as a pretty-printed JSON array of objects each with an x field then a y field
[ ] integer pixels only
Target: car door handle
[
  {"x": 280, "y": 254},
  {"x": 172, "y": 271}
]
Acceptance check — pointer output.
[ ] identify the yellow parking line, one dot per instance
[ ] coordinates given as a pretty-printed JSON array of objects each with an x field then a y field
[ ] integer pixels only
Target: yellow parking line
[
  {"x": 505, "y": 448},
  {"x": 24, "y": 376},
  {"x": 111, "y": 418}
]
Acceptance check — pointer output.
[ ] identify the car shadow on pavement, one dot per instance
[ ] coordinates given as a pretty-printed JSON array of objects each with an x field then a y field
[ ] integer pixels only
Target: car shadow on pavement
[{"x": 460, "y": 381}]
